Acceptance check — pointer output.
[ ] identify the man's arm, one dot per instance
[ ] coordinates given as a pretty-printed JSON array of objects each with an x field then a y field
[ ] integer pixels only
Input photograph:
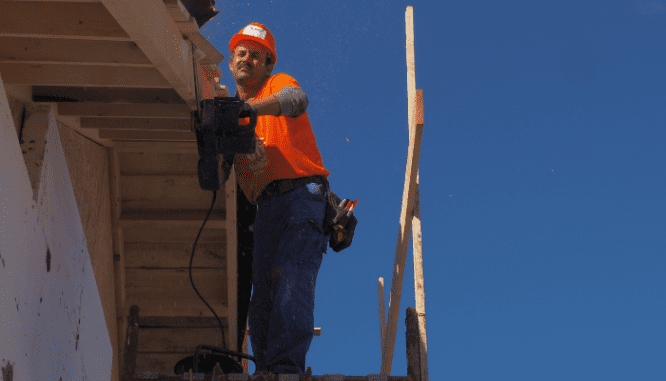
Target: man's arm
[{"x": 290, "y": 101}]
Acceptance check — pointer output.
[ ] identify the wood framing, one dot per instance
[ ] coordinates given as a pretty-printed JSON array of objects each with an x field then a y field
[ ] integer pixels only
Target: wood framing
[
  {"x": 151, "y": 27},
  {"x": 232, "y": 260},
  {"x": 415, "y": 115}
]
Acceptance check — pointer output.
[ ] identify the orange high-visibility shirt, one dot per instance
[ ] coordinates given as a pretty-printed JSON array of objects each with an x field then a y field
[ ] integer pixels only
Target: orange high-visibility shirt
[{"x": 286, "y": 147}]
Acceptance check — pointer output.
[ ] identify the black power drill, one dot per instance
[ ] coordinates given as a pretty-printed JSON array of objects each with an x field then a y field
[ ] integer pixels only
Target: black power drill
[{"x": 218, "y": 132}]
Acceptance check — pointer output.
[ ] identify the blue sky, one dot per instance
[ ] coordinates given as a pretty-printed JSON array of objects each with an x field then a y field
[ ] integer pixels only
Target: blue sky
[{"x": 542, "y": 178}]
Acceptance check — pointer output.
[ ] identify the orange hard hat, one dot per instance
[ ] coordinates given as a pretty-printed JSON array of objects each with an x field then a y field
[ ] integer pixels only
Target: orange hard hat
[{"x": 255, "y": 32}]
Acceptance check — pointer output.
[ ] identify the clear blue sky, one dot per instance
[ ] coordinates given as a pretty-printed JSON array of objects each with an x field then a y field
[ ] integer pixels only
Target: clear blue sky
[{"x": 542, "y": 178}]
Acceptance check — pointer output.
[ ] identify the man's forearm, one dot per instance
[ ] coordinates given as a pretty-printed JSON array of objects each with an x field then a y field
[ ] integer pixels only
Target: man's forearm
[
  {"x": 266, "y": 106},
  {"x": 291, "y": 102}
]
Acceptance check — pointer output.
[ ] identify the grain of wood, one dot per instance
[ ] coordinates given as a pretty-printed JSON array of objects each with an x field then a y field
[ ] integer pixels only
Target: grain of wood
[
  {"x": 409, "y": 192},
  {"x": 232, "y": 260},
  {"x": 82, "y": 75},
  {"x": 64, "y": 50},
  {"x": 61, "y": 19},
  {"x": 136, "y": 123},
  {"x": 155, "y": 110}
]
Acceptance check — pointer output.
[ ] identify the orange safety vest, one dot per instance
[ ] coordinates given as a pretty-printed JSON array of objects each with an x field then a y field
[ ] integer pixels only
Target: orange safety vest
[{"x": 286, "y": 147}]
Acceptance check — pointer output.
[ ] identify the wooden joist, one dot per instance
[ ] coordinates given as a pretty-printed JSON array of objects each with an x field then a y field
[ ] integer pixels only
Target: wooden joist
[
  {"x": 149, "y": 24},
  {"x": 137, "y": 95},
  {"x": 165, "y": 192},
  {"x": 174, "y": 255},
  {"x": 167, "y": 292},
  {"x": 117, "y": 134},
  {"x": 82, "y": 75},
  {"x": 127, "y": 110},
  {"x": 51, "y": 19},
  {"x": 163, "y": 124},
  {"x": 185, "y": 219},
  {"x": 36, "y": 50},
  {"x": 157, "y": 147}
]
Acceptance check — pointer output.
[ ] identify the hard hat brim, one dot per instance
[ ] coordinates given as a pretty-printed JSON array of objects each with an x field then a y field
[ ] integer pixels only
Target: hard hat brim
[{"x": 240, "y": 37}]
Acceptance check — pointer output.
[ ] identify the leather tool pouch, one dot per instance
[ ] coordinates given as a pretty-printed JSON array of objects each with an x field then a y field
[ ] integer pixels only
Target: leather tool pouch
[{"x": 337, "y": 224}]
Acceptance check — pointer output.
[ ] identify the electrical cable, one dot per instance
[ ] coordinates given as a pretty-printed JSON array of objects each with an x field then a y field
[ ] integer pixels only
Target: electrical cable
[{"x": 224, "y": 342}]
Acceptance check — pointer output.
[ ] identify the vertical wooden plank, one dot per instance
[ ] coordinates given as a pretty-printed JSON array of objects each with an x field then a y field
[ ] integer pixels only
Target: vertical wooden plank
[
  {"x": 382, "y": 313},
  {"x": 232, "y": 261},
  {"x": 131, "y": 345},
  {"x": 412, "y": 343},
  {"x": 118, "y": 251},
  {"x": 409, "y": 192},
  {"x": 419, "y": 289}
]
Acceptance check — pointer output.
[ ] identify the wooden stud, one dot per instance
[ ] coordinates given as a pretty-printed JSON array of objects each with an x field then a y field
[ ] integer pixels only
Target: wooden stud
[
  {"x": 409, "y": 192},
  {"x": 118, "y": 248},
  {"x": 412, "y": 342},
  {"x": 131, "y": 343},
  {"x": 382, "y": 314},
  {"x": 232, "y": 259},
  {"x": 419, "y": 288}
]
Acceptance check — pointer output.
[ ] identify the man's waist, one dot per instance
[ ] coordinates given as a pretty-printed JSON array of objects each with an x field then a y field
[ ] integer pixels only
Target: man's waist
[{"x": 282, "y": 186}]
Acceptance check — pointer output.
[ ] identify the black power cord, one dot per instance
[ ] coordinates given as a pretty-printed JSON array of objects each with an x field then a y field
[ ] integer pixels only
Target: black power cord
[{"x": 224, "y": 342}]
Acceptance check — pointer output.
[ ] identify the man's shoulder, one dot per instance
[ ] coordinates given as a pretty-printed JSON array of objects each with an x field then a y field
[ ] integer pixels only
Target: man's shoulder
[{"x": 282, "y": 79}]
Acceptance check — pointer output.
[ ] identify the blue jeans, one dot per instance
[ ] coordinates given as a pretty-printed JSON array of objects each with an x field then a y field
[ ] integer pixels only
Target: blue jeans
[{"x": 288, "y": 248}]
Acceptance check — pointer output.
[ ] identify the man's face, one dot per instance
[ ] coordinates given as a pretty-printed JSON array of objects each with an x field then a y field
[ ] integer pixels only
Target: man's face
[{"x": 248, "y": 64}]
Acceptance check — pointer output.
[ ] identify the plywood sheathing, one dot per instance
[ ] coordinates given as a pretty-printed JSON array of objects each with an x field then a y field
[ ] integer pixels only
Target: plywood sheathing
[{"x": 88, "y": 169}]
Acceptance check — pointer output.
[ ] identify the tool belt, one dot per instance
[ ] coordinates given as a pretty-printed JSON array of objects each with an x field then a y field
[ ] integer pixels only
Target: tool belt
[
  {"x": 337, "y": 224},
  {"x": 279, "y": 187}
]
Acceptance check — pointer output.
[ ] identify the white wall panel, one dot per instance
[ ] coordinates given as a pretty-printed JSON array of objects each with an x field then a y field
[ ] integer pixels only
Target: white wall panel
[{"x": 52, "y": 323}]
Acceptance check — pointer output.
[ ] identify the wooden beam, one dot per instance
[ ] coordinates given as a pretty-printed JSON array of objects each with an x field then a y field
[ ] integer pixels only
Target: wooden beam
[
  {"x": 382, "y": 314},
  {"x": 62, "y": 50},
  {"x": 419, "y": 287},
  {"x": 167, "y": 292},
  {"x": 171, "y": 192},
  {"x": 232, "y": 259},
  {"x": 117, "y": 134},
  {"x": 105, "y": 95},
  {"x": 82, "y": 75},
  {"x": 125, "y": 110},
  {"x": 136, "y": 123},
  {"x": 317, "y": 331},
  {"x": 412, "y": 342},
  {"x": 151, "y": 27},
  {"x": 157, "y": 147},
  {"x": 118, "y": 250},
  {"x": 138, "y": 163},
  {"x": 174, "y": 255},
  {"x": 184, "y": 219},
  {"x": 131, "y": 344},
  {"x": 58, "y": 19},
  {"x": 178, "y": 11},
  {"x": 408, "y": 195}
]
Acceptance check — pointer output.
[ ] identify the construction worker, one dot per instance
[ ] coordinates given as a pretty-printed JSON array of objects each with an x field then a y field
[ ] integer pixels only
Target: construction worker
[{"x": 285, "y": 178}]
